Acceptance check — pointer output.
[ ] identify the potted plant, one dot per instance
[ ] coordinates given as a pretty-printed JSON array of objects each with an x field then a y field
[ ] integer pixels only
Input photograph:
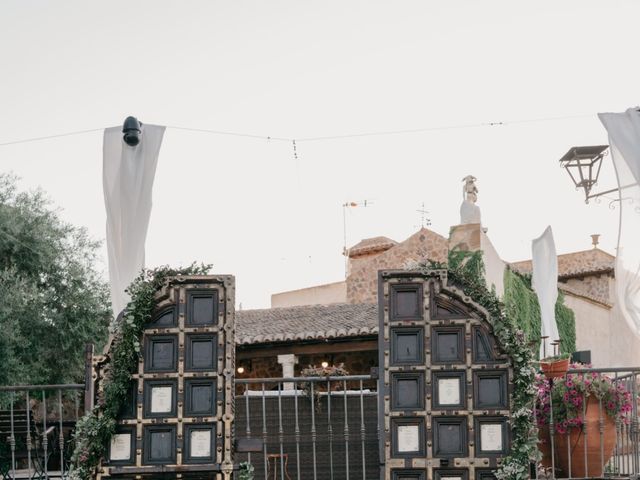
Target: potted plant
[
  {"x": 579, "y": 401},
  {"x": 328, "y": 371},
  {"x": 555, "y": 366}
]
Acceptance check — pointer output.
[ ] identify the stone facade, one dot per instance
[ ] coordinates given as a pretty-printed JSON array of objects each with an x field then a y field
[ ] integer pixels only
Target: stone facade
[
  {"x": 362, "y": 282},
  {"x": 597, "y": 287}
]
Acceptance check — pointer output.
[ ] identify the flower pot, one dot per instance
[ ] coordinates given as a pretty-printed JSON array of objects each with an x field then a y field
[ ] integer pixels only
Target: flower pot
[
  {"x": 575, "y": 440},
  {"x": 555, "y": 368}
]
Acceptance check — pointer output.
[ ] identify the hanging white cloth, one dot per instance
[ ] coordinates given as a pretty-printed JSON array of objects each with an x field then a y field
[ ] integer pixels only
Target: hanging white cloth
[
  {"x": 128, "y": 174},
  {"x": 545, "y": 283},
  {"x": 624, "y": 139}
]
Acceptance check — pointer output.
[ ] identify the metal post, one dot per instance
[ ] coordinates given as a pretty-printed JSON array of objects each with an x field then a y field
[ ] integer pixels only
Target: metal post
[
  {"x": 280, "y": 430},
  {"x": 29, "y": 463},
  {"x": 552, "y": 430},
  {"x": 329, "y": 428},
  {"x": 264, "y": 435},
  {"x": 248, "y": 416},
  {"x": 61, "y": 436},
  {"x": 297, "y": 430},
  {"x": 362, "y": 433},
  {"x": 584, "y": 432},
  {"x": 601, "y": 430},
  {"x": 313, "y": 431},
  {"x": 12, "y": 440},
  {"x": 45, "y": 439},
  {"x": 346, "y": 430}
]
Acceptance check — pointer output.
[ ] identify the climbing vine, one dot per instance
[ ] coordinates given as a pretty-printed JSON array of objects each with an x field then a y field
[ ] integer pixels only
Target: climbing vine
[
  {"x": 466, "y": 270},
  {"x": 93, "y": 431},
  {"x": 522, "y": 308}
]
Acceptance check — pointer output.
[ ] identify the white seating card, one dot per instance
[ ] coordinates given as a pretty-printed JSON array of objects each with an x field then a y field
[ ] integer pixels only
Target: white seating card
[
  {"x": 491, "y": 437},
  {"x": 120, "y": 446},
  {"x": 408, "y": 438},
  {"x": 200, "y": 443},
  {"x": 161, "y": 399},
  {"x": 449, "y": 392}
]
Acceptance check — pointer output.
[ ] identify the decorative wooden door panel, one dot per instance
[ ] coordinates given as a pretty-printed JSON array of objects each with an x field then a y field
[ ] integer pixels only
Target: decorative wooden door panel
[
  {"x": 445, "y": 385},
  {"x": 178, "y": 421}
]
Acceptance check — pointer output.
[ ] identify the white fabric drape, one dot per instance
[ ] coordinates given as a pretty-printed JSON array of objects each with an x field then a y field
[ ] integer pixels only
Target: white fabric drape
[
  {"x": 545, "y": 283},
  {"x": 128, "y": 174},
  {"x": 624, "y": 139}
]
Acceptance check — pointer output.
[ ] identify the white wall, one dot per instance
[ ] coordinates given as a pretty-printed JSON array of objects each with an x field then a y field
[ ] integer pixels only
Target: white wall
[{"x": 319, "y": 295}]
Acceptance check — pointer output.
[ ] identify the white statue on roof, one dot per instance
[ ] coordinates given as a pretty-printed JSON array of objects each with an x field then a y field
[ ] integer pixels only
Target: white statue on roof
[{"x": 469, "y": 211}]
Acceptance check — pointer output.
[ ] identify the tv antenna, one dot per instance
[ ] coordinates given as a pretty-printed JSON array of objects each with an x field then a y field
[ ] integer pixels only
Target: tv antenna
[
  {"x": 424, "y": 220},
  {"x": 345, "y": 206}
]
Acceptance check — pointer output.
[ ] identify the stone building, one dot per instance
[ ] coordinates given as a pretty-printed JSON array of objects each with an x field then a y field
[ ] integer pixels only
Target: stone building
[{"x": 338, "y": 322}]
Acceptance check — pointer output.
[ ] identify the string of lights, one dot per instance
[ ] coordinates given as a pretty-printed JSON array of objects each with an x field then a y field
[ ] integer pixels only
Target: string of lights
[{"x": 326, "y": 137}]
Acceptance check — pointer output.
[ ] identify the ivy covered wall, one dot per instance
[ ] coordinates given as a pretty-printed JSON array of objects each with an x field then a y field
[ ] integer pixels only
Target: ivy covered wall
[
  {"x": 521, "y": 306},
  {"x": 521, "y": 302}
]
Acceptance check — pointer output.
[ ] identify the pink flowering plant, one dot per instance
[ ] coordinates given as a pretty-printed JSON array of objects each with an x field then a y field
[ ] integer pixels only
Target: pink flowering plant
[{"x": 569, "y": 394}]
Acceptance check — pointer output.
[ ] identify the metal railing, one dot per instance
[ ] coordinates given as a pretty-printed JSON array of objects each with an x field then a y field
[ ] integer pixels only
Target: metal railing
[
  {"x": 593, "y": 444},
  {"x": 310, "y": 427},
  {"x": 36, "y": 425}
]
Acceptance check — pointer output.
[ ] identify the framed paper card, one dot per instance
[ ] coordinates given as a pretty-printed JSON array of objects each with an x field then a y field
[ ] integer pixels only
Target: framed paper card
[
  {"x": 408, "y": 438},
  {"x": 448, "y": 391},
  {"x": 161, "y": 399},
  {"x": 200, "y": 442},
  {"x": 120, "y": 447},
  {"x": 491, "y": 437}
]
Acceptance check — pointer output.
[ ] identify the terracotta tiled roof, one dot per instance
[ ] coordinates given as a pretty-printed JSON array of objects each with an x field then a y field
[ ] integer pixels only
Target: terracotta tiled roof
[
  {"x": 371, "y": 245},
  {"x": 306, "y": 323},
  {"x": 576, "y": 264},
  {"x": 572, "y": 290}
]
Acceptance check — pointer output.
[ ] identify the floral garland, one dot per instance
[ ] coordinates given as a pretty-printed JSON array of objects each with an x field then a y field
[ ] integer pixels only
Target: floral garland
[
  {"x": 568, "y": 396},
  {"x": 93, "y": 431},
  {"x": 466, "y": 270}
]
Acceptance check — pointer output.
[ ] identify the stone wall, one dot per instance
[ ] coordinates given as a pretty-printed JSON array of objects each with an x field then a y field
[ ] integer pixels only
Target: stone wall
[
  {"x": 362, "y": 282},
  {"x": 595, "y": 286}
]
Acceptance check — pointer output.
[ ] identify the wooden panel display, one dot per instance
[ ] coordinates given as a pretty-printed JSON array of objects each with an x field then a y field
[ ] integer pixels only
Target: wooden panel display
[
  {"x": 161, "y": 353},
  {"x": 200, "y": 352},
  {"x": 201, "y": 307},
  {"x": 490, "y": 389},
  {"x": 407, "y": 391},
  {"x": 159, "y": 444},
  {"x": 408, "y": 346},
  {"x": 407, "y": 475},
  {"x": 200, "y": 397},
  {"x": 179, "y": 416},
  {"x": 444, "y": 381},
  {"x": 452, "y": 475},
  {"x": 450, "y": 436},
  {"x": 406, "y": 302}
]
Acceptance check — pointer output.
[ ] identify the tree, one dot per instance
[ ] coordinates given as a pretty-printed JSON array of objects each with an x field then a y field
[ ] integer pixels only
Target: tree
[{"x": 52, "y": 300}]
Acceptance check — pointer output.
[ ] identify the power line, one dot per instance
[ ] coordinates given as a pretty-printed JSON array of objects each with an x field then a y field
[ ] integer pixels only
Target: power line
[
  {"x": 326, "y": 137},
  {"x": 37, "y": 139}
]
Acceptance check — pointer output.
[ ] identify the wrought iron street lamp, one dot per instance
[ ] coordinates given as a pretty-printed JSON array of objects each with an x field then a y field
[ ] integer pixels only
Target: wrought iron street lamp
[{"x": 583, "y": 165}]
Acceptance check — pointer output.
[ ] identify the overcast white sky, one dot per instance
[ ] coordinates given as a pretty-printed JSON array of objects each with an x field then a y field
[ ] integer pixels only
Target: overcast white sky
[{"x": 304, "y": 69}]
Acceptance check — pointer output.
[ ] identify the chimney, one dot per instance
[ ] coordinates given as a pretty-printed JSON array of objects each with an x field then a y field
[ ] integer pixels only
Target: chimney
[{"x": 595, "y": 240}]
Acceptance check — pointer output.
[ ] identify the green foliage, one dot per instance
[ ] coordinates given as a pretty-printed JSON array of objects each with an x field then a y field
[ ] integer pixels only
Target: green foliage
[
  {"x": 53, "y": 301},
  {"x": 246, "y": 471},
  {"x": 566, "y": 320},
  {"x": 94, "y": 430},
  {"x": 521, "y": 304}
]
